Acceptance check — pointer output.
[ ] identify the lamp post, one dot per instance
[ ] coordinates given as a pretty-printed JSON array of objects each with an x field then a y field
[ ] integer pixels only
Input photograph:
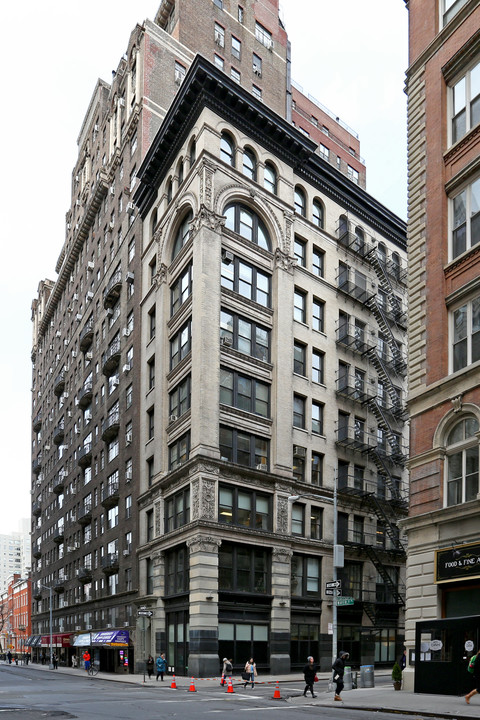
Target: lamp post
[{"x": 338, "y": 557}]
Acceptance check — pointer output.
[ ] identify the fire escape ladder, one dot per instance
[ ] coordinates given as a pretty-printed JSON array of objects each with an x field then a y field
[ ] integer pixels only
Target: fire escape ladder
[
  {"x": 390, "y": 528},
  {"x": 383, "y": 572}
]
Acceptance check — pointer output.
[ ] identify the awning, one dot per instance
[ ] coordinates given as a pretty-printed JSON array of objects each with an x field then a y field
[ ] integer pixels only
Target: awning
[
  {"x": 28, "y": 640},
  {"x": 58, "y": 639},
  {"x": 109, "y": 638},
  {"x": 35, "y": 640},
  {"x": 83, "y": 640}
]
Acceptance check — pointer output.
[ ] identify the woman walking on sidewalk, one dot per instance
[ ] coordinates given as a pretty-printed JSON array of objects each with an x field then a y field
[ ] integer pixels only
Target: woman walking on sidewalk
[
  {"x": 476, "y": 679},
  {"x": 310, "y": 675},
  {"x": 250, "y": 673},
  {"x": 338, "y": 668}
]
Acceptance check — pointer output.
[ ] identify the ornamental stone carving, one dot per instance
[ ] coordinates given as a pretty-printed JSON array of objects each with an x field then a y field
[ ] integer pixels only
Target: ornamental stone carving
[
  {"x": 288, "y": 231},
  {"x": 457, "y": 403},
  {"x": 207, "y": 218},
  {"x": 284, "y": 261},
  {"x": 161, "y": 276},
  {"x": 206, "y": 543},
  {"x": 280, "y": 554},
  {"x": 158, "y": 519},
  {"x": 202, "y": 467},
  {"x": 195, "y": 499},
  {"x": 282, "y": 515},
  {"x": 208, "y": 499}
]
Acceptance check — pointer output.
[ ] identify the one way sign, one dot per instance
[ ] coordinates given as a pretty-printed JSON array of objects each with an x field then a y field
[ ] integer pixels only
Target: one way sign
[{"x": 333, "y": 584}]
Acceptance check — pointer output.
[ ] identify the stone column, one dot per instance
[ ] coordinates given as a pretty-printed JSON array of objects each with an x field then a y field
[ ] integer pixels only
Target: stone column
[
  {"x": 159, "y": 638},
  {"x": 280, "y": 617},
  {"x": 203, "y": 657}
]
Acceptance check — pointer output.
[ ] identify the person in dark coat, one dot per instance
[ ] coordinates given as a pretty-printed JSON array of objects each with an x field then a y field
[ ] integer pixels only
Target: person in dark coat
[
  {"x": 150, "y": 664},
  {"x": 476, "y": 679},
  {"x": 338, "y": 668},
  {"x": 310, "y": 673}
]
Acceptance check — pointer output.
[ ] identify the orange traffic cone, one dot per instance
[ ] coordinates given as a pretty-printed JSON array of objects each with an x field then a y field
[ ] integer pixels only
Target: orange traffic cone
[
  {"x": 276, "y": 694},
  {"x": 174, "y": 684},
  {"x": 230, "y": 686},
  {"x": 192, "y": 686}
]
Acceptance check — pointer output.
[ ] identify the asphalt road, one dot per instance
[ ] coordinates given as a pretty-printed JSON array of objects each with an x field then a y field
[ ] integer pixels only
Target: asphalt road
[{"x": 27, "y": 694}]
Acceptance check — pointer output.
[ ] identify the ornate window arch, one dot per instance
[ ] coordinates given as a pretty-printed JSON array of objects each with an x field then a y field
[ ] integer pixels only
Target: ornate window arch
[
  {"x": 183, "y": 233},
  {"x": 462, "y": 460},
  {"x": 227, "y": 149},
  {"x": 245, "y": 221}
]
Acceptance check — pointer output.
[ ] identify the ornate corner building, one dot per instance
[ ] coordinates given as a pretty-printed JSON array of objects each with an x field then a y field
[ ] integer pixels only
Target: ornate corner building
[
  {"x": 443, "y": 581},
  {"x": 227, "y": 331}
]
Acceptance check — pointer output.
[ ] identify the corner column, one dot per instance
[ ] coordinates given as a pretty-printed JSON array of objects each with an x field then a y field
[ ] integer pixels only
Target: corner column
[{"x": 280, "y": 616}]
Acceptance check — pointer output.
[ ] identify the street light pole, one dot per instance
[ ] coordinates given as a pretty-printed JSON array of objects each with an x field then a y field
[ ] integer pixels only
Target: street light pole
[{"x": 338, "y": 558}]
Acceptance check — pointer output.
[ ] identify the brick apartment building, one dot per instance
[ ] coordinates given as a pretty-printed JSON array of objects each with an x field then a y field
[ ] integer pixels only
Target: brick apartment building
[
  {"x": 443, "y": 581},
  {"x": 227, "y": 330},
  {"x": 15, "y": 616}
]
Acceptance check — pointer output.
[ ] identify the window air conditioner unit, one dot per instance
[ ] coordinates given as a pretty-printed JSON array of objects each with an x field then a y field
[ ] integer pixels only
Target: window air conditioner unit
[
  {"x": 262, "y": 466},
  {"x": 88, "y": 356},
  {"x": 90, "y": 265},
  {"x": 227, "y": 341},
  {"x": 88, "y": 627},
  {"x": 110, "y": 312},
  {"x": 128, "y": 474},
  {"x": 69, "y": 226},
  {"x": 125, "y": 624},
  {"x": 299, "y": 452},
  {"x": 172, "y": 418},
  {"x": 108, "y": 625},
  {"x": 74, "y": 353},
  {"x": 111, "y": 224},
  {"x": 69, "y": 413},
  {"x": 129, "y": 277},
  {"x": 257, "y": 71},
  {"x": 128, "y": 438},
  {"x": 78, "y": 627},
  {"x": 130, "y": 208},
  {"x": 121, "y": 102},
  {"x": 58, "y": 334},
  {"x": 227, "y": 257},
  {"x": 219, "y": 39},
  {"x": 78, "y": 317},
  {"x": 71, "y": 548},
  {"x": 126, "y": 553},
  {"x": 77, "y": 225},
  {"x": 126, "y": 368},
  {"x": 89, "y": 296},
  {"x": 112, "y": 190},
  {"x": 47, "y": 447},
  {"x": 126, "y": 332}
]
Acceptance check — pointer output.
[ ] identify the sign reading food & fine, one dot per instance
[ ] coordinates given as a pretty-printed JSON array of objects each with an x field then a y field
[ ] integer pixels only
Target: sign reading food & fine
[{"x": 459, "y": 562}]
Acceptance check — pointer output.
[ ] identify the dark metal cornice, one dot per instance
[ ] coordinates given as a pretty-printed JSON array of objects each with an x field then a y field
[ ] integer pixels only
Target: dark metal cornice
[{"x": 207, "y": 86}]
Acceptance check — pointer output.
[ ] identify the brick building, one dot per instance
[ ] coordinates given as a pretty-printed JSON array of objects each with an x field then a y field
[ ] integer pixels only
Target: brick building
[
  {"x": 15, "y": 615},
  {"x": 443, "y": 83},
  {"x": 187, "y": 379}
]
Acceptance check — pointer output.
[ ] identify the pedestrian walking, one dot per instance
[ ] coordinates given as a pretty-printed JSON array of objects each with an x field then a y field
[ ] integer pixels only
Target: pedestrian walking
[
  {"x": 86, "y": 660},
  {"x": 161, "y": 664},
  {"x": 474, "y": 667},
  {"x": 310, "y": 675},
  {"x": 74, "y": 661},
  {"x": 338, "y": 668},
  {"x": 403, "y": 661},
  {"x": 44, "y": 658},
  {"x": 54, "y": 661},
  {"x": 250, "y": 673},
  {"x": 9, "y": 657},
  {"x": 227, "y": 670},
  {"x": 150, "y": 664}
]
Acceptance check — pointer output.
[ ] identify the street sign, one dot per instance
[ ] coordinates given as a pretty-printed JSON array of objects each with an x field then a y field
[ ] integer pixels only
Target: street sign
[
  {"x": 333, "y": 584},
  {"x": 346, "y": 600},
  {"x": 145, "y": 613},
  {"x": 333, "y": 591}
]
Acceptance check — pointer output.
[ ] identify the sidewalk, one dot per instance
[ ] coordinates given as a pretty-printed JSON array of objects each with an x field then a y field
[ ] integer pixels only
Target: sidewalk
[{"x": 381, "y": 698}]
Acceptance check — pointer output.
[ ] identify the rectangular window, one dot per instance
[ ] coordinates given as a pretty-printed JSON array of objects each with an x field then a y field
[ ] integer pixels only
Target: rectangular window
[
  {"x": 298, "y": 520},
  {"x": 465, "y": 219},
  {"x": 180, "y": 72},
  {"x": 180, "y": 399},
  {"x": 318, "y": 315},
  {"x": 151, "y": 373},
  {"x": 257, "y": 92},
  {"x": 244, "y": 569},
  {"x": 300, "y": 251},
  {"x": 299, "y": 411},
  {"x": 305, "y": 576},
  {"x": 247, "y": 280},
  {"x": 235, "y": 75},
  {"x": 299, "y": 306},
  {"x": 180, "y": 344},
  {"x": 317, "y": 469},
  {"x": 263, "y": 35},
  {"x": 176, "y": 571},
  {"x": 218, "y": 3},
  {"x": 298, "y": 463},
  {"x": 466, "y": 103},
  {"x": 151, "y": 323},
  {"x": 219, "y": 35},
  {"x": 244, "y": 448},
  {"x": 465, "y": 333},
  {"x": 177, "y": 510},
  {"x": 318, "y": 367},
  {"x": 245, "y": 393},
  {"x": 247, "y": 508},
  {"x": 218, "y": 61},
  {"x": 178, "y": 452},
  {"x": 324, "y": 152},
  {"x": 318, "y": 262},
  {"x": 316, "y": 522},
  {"x": 181, "y": 289},
  {"x": 150, "y": 423},
  {"x": 150, "y": 527},
  {"x": 244, "y": 335},
  {"x": 450, "y": 8},
  {"x": 317, "y": 418},
  {"x": 299, "y": 359},
  {"x": 236, "y": 47},
  {"x": 257, "y": 64},
  {"x": 352, "y": 174}
]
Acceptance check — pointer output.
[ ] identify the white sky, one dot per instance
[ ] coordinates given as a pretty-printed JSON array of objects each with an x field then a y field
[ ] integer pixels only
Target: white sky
[{"x": 350, "y": 55}]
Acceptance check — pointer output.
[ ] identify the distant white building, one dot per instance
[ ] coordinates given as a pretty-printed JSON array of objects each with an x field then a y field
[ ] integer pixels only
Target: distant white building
[{"x": 15, "y": 552}]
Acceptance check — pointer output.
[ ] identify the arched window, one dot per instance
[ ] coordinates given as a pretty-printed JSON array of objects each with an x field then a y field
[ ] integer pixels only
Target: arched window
[
  {"x": 169, "y": 191},
  {"x": 180, "y": 172},
  {"x": 246, "y": 223},
  {"x": 183, "y": 234},
  {"x": 462, "y": 462},
  {"x": 342, "y": 226},
  {"x": 300, "y": 202},
  {"x": 193, "y": 152},
  {"x": 382, "y": 253},
  {"x": 227, "y": 149},
  {"x": 396, "y": 265},
  {"x": 359, "y": 242},
  {"x": 154, "y": 222},
  {"x": 249, "y": 164},
  {"x": 318, "y": 215},
  {"x": 270, "y": 178}
]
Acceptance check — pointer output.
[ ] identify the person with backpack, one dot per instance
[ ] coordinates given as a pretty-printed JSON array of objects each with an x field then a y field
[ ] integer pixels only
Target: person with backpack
[
  {"x": 474, "y": 668},
  {"x": 338, "y": 668},
  {"x": 227, "y": 670}
]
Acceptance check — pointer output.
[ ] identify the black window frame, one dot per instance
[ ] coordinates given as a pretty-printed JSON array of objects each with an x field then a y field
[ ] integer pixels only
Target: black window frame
[
  {"x": 231, "y": 451},
  {"x": 178, "y": 295},
  {"x": 256, "y": 563},
  {"x": 177, "y": 571},
  {"x": 267, "y": 522},
  {"x": 176, "y": 445},
  {"x": 238, "y": 263},
  {"x": 183, "y": 350},
  {"x": 236, "y": 401},
  {"x": 258, "y": 350},
  {"x": 238, "y": 208},
  {"x": 299, "y": 358},
  {"x": 178, "y": 405},
  {"x": 304, "y": 560},
  {"x": 182, "y": 235},
  {"x": 175, "y": 518}
]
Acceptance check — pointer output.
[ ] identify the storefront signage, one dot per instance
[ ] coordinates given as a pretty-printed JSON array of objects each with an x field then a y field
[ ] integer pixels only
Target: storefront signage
[
  {"x": 113, "y": 638},
  {"x": 460, "y": 562},
  {"x": 82, "y": 640}
]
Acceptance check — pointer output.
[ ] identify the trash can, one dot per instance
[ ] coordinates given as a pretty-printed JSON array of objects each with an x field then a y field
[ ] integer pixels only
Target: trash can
[
  {"x": 347, "y": 678},
  {"x": 367, "y": 679}
]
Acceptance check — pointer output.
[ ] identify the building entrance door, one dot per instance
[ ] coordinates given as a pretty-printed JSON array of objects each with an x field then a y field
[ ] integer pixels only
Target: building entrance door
[
  {"x": 177, "y": 640},
  {"x": 443, "y": 649}
]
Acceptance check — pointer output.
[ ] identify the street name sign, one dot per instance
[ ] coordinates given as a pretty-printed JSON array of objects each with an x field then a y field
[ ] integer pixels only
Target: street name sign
[{"x": 345, "y": 600}]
